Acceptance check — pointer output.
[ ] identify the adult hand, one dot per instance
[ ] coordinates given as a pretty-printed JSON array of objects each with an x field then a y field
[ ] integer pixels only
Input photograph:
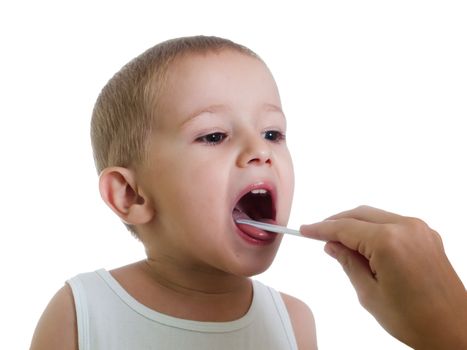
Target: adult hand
[{"x": 401, "y": 274}]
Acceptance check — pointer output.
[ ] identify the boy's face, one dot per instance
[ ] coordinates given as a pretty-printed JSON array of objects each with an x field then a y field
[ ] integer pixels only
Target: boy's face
[{"x": 218, "y": 152}]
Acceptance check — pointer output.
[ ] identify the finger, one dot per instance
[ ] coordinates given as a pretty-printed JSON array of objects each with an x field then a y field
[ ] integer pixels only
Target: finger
[
  {"x": 354, "y": 234},
  {"x": 369, "y": 214},
  {"x": 356, "y": 267}
]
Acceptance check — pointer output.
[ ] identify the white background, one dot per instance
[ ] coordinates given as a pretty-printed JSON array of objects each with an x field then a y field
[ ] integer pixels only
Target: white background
[{"x": 375, "y": 93}]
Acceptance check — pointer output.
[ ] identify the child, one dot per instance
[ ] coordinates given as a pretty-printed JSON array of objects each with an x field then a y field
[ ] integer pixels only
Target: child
[{"x": 187, "y": 137}]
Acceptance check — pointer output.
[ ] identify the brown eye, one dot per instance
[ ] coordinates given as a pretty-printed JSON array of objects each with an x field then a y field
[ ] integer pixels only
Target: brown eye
[
  {"x": 212, "y": 139},
  {"x": 274, "y": 136}
]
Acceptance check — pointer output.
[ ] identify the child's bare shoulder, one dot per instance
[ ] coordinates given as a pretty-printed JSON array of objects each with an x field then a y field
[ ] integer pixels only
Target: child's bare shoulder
[
  {"x": 303, "y": 322},
  {"x": 56, "y": 328}
]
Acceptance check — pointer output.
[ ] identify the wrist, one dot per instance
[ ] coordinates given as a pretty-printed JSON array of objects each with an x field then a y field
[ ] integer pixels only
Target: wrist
[{"x": 446, "y": 329}]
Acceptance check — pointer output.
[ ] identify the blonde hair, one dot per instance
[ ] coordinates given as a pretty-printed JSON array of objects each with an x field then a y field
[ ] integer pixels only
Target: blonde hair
[
  {"x": 124, "y": 112},
  {"x": 126, "y": 108}
]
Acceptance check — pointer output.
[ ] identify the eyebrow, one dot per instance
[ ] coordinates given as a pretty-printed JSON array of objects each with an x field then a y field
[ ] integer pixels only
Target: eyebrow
[{"x": 268, "y": 107}]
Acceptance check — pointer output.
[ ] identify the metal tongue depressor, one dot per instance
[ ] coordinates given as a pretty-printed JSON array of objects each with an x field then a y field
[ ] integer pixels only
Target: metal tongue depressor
[{"x": 269, "y": 227}]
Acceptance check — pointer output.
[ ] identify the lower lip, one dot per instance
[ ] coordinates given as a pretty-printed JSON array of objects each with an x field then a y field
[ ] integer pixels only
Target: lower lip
[{"x": 267, "y": 238}]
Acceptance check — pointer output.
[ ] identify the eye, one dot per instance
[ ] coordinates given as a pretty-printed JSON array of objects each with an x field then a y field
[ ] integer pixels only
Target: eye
[
  {"x": 274, "y": 136},
  {"x": 212, "y": 139}
]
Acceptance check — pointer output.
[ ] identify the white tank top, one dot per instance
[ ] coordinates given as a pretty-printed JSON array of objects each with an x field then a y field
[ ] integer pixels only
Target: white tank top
[{"x": 109, "y": 318}]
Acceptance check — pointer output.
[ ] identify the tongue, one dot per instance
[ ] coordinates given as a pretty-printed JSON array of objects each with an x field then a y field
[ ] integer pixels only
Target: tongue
[
  {"x": 251, "y": 231},
  {"x": 256, "y": 233}
]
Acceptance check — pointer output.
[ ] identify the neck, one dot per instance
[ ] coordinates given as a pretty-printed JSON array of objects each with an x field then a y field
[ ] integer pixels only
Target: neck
[
  {"x": 209, "y": 296},
  {"x": 192, "y": 280}
]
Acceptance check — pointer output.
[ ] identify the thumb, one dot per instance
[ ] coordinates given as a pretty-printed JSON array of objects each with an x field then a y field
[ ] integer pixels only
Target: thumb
[{"x": 356, "y": 266}]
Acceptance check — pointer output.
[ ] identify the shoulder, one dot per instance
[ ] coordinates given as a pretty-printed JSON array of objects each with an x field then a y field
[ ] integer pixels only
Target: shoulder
[
  {"x": 303, "y": 322},
  {"x": 57, "y": 328}
]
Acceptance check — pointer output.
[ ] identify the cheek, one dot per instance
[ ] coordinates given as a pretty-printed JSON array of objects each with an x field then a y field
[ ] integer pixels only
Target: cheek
[
  {"x": 287, "y": 178},
  {"x": 202, "y": 186},
  {"x": 288, "y": 174}
]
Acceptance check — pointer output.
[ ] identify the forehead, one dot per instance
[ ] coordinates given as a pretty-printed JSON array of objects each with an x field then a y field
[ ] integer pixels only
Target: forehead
[{"x": 228, "y": 77}]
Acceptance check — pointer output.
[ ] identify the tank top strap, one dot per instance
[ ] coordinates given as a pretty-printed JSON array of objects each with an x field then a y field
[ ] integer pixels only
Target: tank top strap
[{"x": 273, "y": 307}]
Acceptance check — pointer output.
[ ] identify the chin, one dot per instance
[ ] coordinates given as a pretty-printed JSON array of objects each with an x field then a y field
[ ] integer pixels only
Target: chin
[
  {"x": 256, "y": 272},
  {"x": 253, "y": 267}
]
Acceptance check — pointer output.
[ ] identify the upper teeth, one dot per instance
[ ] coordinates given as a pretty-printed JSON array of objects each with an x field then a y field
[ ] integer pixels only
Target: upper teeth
[{"x": 259, "y": 191}]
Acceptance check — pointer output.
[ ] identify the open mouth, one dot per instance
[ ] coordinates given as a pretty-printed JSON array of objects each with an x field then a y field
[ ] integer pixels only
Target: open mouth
[{"x": 257, "y": 204}]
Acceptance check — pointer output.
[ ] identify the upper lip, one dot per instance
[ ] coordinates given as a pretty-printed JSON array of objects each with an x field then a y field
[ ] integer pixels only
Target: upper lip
[{"x": 262, "y": 184}]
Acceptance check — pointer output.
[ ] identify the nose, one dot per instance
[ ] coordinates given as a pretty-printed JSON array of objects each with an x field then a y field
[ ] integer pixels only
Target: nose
[{"x": 255, "y": 151}]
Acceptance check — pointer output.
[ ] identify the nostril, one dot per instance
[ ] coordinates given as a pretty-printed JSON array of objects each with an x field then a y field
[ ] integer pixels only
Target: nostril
[
  {"x": 261, "y": 157},
  {"x": 254, "y": 152},
  {"x": 260, "y": 161}
]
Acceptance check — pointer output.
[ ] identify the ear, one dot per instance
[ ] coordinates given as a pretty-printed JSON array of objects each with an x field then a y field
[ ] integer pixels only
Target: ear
[{"x": 119, "y": 191}]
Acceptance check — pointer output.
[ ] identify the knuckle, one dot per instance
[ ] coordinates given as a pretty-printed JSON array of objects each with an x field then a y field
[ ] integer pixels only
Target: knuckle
[
  {"x": 390, "y": 233},
  {"x": 362, "y": 208},
  {"x": 437, "y": 237},
  {"x": 405, "y": 235},
  {"x": 389, "y": 239},
  {"x": 417, "y": 224},
  {"x": 421, "y": 229}
]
